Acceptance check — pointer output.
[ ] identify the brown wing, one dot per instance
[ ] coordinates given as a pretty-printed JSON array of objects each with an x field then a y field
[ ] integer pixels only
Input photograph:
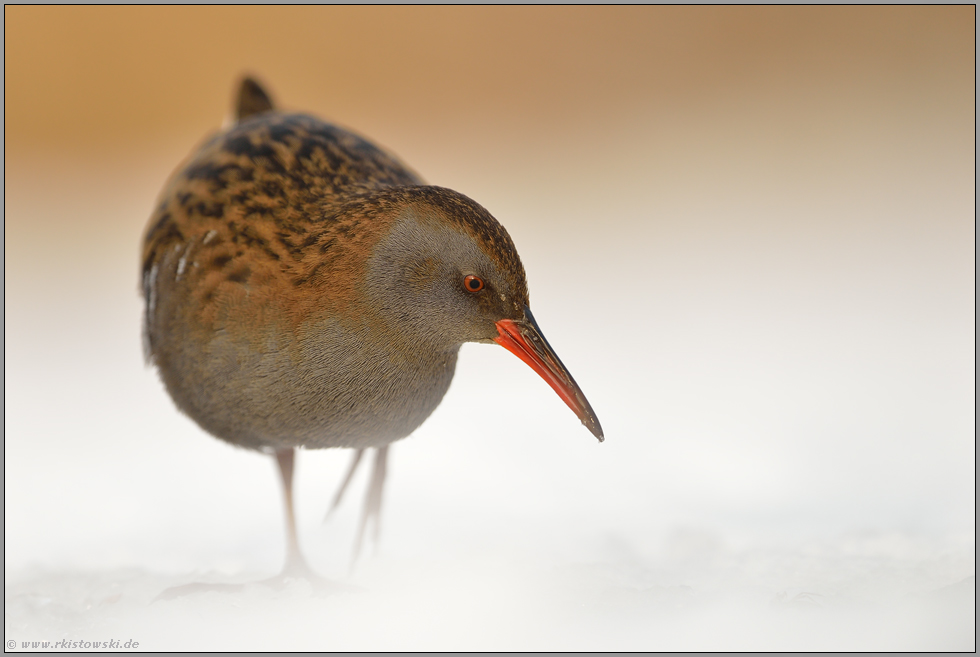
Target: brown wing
[{"x": 272, "y": 183}]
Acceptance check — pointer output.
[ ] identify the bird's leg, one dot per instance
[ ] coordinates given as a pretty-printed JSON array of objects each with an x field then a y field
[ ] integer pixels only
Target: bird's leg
[
  {"x": 295, "y": 564},
  {"x": 372, "y": 503},
  {"x": 343, "y": 486}
]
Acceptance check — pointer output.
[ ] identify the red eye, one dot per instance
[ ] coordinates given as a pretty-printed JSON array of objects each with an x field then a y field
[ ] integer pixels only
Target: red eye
[{"x": 473, "y": 283}]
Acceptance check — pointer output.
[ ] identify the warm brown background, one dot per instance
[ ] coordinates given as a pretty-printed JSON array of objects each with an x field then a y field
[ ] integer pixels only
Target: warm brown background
[{"x": 749, "y": 232}]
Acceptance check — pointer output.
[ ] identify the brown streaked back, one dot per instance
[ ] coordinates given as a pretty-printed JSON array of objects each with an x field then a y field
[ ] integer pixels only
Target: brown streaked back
[{"x": 263, "y": 199}]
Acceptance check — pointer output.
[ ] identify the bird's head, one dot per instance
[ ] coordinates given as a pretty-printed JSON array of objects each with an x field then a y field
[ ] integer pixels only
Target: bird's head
[{"x": 446, "y": 272}]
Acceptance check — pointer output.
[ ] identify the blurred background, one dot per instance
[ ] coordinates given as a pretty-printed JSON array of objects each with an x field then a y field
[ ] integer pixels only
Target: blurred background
[{"x": 748, "y": 232}]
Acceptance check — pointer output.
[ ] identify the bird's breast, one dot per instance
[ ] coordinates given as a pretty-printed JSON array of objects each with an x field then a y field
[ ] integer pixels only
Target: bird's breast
[
  {"x": 362, "y": 387},
  {"x": 326, "y": 382}
]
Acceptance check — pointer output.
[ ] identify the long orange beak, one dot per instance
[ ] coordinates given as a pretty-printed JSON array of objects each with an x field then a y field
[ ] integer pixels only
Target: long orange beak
[{"x": 525, "y": 340}]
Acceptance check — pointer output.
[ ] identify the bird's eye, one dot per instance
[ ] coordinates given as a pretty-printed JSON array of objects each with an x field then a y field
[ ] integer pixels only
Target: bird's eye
[{"x": 473, "y": 283}]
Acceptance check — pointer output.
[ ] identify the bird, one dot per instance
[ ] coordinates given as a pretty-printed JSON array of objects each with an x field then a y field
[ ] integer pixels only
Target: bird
[{"x": 305, "y": 289}]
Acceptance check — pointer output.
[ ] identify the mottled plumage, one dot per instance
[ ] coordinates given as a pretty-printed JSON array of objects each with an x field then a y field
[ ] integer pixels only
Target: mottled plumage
[{"x": 305, "y": 288}]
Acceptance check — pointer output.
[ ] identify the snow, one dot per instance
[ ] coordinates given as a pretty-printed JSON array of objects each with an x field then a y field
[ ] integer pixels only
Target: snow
[{"x": 743, "y": 602}]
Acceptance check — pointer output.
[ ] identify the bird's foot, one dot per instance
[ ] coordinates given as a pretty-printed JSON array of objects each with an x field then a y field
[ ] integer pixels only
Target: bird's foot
[
  {"x": 293, "y": 572},
  {"x": 297, "y": 569},
  {"x": 175, "y": 592},
  {"x": 320, "y": 586}
]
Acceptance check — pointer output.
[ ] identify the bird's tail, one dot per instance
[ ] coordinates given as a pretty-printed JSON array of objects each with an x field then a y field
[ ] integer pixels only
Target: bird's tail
[{"x": 252, "y": 99}]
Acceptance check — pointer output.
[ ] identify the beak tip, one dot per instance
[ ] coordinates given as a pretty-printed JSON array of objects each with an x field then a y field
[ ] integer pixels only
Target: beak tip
[{"x": 525, "y": 340}]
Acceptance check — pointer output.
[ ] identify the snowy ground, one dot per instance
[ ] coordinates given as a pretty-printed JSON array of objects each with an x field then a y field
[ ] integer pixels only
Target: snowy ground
[
  {"x": 464, "y": 566},
  {"x": 494, "y": 604}
]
